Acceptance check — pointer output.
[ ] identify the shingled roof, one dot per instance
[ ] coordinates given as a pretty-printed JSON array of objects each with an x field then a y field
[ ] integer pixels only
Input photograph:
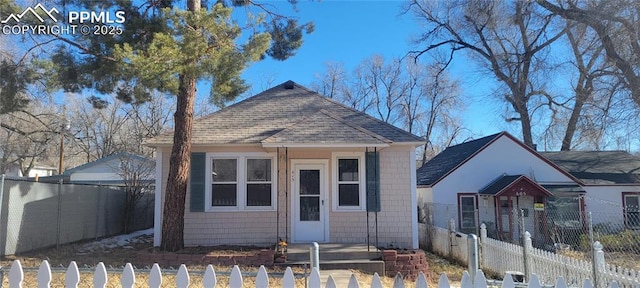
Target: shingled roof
[
  {"x": 291, "y": 114},
  {"x": 446, "y": 161},
  {"x": 598, "y": 167}
]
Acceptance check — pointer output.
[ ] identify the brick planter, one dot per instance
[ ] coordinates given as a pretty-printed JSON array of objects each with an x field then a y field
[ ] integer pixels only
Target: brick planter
[
  {"x": 407, "y": 263},
  {"x": 167, "y": 259}
]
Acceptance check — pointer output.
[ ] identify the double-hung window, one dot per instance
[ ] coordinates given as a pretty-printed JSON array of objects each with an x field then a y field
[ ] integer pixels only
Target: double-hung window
[
  {"x": 224, "y": 182},
  {"x": 241, "y": 182},
  {"x": 349, "y": 187},
  {"x": 259, "y": 186}
]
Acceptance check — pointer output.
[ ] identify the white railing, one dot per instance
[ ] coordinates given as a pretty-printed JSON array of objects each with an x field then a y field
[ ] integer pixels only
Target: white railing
[{"x": 128, "y": 278}]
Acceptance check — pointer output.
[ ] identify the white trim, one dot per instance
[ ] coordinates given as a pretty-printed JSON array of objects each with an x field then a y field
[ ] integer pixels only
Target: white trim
[
  {"x": 414, "y": 199},
  {"x": 323, "y": 197},
  {"x": 323, "y": 145},
  {"x": 474, "y": 197},
  {"x": 335, "y": 156},
  {"x": 241, "y": 188},
  {"x": 157, "y": 209}
]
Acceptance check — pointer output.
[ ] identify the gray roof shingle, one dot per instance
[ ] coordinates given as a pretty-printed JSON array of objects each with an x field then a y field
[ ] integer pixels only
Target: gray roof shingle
[
  {"x": 280, "y": 115},
  {"x": 446, "y": 161},
  {"x": 598, "y": 167}
]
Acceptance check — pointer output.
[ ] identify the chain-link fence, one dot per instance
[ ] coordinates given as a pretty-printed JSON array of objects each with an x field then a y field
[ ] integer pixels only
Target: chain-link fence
[{"x": 564, "y": 227}]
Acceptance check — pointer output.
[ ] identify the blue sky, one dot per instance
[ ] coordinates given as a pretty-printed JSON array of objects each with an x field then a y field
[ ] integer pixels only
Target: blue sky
[{"x": 351, "y": 31}]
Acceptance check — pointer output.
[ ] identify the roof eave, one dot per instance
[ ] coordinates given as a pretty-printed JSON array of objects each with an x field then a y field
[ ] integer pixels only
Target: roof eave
[{"x": 325, "y": 145}]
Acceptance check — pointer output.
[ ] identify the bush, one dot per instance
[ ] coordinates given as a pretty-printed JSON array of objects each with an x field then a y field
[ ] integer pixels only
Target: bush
[{"x": 625, "y": 241}]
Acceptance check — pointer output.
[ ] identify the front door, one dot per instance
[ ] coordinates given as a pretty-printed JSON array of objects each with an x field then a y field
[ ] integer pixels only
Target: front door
[{"x": 309, "y": 197}]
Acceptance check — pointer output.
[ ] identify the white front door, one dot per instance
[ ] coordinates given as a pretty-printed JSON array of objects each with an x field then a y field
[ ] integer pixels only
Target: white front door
[{"x": 309, "y": 202}]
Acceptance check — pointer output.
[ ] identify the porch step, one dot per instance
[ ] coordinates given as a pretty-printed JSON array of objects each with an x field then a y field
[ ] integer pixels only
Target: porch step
[
  {"x": 330, "y": 252},
  {"x": 338, "y": 256}
]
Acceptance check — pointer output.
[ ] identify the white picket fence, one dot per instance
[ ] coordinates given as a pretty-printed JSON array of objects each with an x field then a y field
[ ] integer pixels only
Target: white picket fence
[
  {"x": 128, "y": 279},
  {"x": 502, "y": 257}
]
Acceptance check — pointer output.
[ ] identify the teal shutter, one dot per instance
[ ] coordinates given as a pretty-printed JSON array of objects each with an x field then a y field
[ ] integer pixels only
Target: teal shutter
[
  {"x": 372, "y": 162},
  {"x": 197, "y": 180}
]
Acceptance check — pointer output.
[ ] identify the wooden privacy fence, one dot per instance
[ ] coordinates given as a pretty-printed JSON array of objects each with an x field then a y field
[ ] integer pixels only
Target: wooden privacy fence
[{"x": 128, "y": 279}]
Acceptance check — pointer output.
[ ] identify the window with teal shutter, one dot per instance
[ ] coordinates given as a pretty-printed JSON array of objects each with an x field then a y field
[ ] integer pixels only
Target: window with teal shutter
[
  {"x": 197, "y": 181},
  {"x": 372, "y": 162}
]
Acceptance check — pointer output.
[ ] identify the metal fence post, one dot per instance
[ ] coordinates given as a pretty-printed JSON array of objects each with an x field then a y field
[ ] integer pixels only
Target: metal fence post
[
  {"x": 594, "y": 266},
  {"x": 598, "y": 265},
  {"x": 59, "y": 214},
  {"x": 472, "y": 250},
  {"x": 314, "y": 256},
  {"x": 527, "y": 247},
  {"x": 482, "y": 239}
]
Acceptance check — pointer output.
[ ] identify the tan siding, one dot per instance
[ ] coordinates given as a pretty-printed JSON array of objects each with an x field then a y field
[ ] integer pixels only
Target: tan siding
[
  {"x": 218, "y": 228},
  {"x": 394, "y": 221},
  {"x": 262, "y": 228}
]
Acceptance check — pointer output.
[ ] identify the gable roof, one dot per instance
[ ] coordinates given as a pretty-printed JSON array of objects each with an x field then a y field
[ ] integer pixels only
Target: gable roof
[
  {"x": 290, "y": 113},
  {"x": 452, "y": 157},
  {"x": 598, "y": 167},
  {"x": 503, "y": 183},
  {"x": 455, "y": 156}
]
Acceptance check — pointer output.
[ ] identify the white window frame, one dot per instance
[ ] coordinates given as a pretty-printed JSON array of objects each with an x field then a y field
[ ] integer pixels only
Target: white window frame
[
  {"x": 335, "y": 156},
  {"x": 475, "y": 209},
  {"x": 241, "y": 181}
]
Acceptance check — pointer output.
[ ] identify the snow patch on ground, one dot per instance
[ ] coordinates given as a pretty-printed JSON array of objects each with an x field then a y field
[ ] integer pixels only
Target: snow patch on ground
[{"x": 124, "y": 241}]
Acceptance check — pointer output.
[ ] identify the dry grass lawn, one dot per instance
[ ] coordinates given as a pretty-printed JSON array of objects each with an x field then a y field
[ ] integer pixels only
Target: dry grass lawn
[{"x": 117, "y": 257}]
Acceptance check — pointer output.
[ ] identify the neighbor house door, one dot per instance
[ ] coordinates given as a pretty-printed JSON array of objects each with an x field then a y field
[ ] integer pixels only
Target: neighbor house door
[{"x": 310, "y": 211}]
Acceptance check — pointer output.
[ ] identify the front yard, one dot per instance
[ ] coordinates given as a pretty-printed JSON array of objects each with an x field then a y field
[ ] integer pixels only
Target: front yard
[{"x": 116, "y": 252}]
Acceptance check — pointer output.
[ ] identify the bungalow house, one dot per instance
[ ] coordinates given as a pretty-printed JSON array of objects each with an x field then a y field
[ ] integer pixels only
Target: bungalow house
[
  {"x": 499, "y": 181},
  {"x": 291, "y": 164}
]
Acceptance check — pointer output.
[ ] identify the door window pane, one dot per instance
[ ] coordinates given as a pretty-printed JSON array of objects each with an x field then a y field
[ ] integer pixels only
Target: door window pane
[
  {"x": 309, "y": 182},
  {"x": 309, "y": 208}
]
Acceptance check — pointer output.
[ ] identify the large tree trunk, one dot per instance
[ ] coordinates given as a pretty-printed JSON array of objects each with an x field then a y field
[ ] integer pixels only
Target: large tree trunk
[{"x": 174, "y": 202}]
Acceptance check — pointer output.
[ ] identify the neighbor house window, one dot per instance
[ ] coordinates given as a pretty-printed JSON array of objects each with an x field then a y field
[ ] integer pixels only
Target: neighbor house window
[
  {"x": 259, "y": 182},
  {"x": 467, "y": 207},
  {"x": 349, "y": 181},
  {"x": 241, "y": 182},
  {"x": 224, "y": 182},
  {"x": 564, "y": 211},
  {"x": 632, "y": 210}
]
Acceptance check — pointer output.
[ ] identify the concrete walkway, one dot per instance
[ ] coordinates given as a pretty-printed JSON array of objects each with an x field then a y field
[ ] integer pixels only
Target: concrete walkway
[{"x": 340, "y": 277}]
